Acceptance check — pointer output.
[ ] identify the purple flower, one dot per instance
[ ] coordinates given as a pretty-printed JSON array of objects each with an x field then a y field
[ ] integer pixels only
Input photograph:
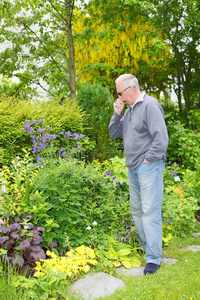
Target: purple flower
[
  {"x": 68, "y": 133},
  {"x": 79, "y": 147},
  {"x": 169, "y": 162},
  {"x": 124, "y": 182},
  {"x": 169, "y": 222},
  {"x": 114, "y": 178},
  {"x": 76, "y": 136},
  {"x": 40, "y": 121},
  {"x": 73, "y": 150},
  {"x": 38, "y": 157},
  {"x": 40, "y": 130},
  {"x": 31, "y": 131},
  {"x": 62, "y": 132},
  {"x": 177, "y": 165},
  {"x": 47, "y": 136},
  {"x": 53, "y": 136},
  {"x": 117, "y": 184},
  {"x": 72, "y": 169},
  {"x": 62, "y": 149},
  {"x": 170, "y": 174},
  {"x": 81, "y": 136},
  {"x": 63, "y": 153},
  {"x": 175, "y": 173},
  {"x": 106, "y": 182},
  {"x": 108, "y": 173}
]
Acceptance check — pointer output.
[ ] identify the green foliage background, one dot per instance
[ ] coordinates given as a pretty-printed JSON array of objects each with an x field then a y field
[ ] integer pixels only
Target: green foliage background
[{"x": 14, "y": 112}]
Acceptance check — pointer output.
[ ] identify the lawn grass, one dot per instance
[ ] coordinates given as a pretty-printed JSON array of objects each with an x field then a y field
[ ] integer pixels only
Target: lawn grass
[
  {"x": 180, "y": 281},
  {"x": 171, "y": 282}
]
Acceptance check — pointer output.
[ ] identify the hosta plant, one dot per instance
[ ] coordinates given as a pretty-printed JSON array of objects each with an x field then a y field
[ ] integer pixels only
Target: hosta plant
[
  {"x": 120, "y": 254},
  {"x": 21, "y": 240}
]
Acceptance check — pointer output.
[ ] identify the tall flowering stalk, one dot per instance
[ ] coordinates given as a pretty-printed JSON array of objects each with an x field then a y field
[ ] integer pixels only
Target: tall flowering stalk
[{"x": 44, "y": 141}]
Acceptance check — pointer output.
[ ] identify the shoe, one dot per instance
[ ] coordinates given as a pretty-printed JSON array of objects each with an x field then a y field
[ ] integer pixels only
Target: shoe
[{"x": 151, "y": 268}]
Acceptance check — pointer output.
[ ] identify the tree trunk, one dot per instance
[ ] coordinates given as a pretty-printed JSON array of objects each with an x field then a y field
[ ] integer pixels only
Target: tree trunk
[
  {"x": 179, "y": 95},
  {"x": 187, "y": 99},
  {"x": 72, "y": 79}
]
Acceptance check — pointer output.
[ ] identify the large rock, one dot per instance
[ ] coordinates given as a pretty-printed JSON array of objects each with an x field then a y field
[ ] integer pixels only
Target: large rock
[
  {"x": 93, "y": 286},
  {"x": 193, "y": 248}
]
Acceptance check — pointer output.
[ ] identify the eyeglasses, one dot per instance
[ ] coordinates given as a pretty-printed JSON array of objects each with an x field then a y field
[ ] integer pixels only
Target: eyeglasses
[{"x": 120, "y": 93}]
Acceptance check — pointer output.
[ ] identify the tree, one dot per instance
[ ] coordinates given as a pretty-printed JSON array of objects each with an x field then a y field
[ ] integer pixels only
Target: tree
[
  {"x": 42, "y": 50},
  {"x": 122, "y": 41},
  {"x": 101, "y": 45},
  {"x": 180, "y": 22}
]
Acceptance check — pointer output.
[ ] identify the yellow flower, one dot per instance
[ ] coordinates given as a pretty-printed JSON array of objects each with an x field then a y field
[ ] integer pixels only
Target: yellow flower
[{"x": 186, "y": 260}]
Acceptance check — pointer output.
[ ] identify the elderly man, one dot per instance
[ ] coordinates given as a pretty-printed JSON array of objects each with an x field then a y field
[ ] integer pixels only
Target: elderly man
[{"x": 145, "y": 140}]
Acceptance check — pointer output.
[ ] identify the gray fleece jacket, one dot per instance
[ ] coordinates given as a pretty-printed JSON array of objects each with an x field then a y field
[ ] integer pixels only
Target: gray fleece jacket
[{"x": 144, "y": 132}]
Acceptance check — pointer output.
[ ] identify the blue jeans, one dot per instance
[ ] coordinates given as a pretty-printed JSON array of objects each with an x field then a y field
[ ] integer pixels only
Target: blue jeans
[{"x": 146, "y": 198}]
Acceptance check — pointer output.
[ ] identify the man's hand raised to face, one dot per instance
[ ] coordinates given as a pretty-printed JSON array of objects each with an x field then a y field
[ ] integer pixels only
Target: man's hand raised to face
[{"x": 118, "y": 106}]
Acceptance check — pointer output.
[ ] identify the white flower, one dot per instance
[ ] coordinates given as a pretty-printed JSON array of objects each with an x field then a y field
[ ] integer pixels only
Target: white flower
[
  {"x": 94, "y": 223},
  {"x": 88, "y": 228},
  {"x": 176, "y": 178},
  {"x": 3, "y": 188}
]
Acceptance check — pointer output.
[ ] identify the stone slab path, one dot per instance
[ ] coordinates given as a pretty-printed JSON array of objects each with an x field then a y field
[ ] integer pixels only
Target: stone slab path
[{"x": 93, "y": 286}]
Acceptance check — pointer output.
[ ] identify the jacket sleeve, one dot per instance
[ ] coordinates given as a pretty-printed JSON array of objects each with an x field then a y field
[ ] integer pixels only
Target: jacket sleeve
[
  {"x": 158, "y": 130},
  {"x": 116, "y": 126}
]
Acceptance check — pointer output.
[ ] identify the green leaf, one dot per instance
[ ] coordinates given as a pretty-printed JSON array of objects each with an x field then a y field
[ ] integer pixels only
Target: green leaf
[
  {"x": 126, "y": 264},
  {"x": 112, "y": 254},
  {"x": 135, "y": 262},
  {"x": 44, "y": 296},
  {"x": 124, "y": 252},
  {"x": 131, "y": 242},
  {"x": 45, "y": 286},
  {"x": 116, "y": 263}
]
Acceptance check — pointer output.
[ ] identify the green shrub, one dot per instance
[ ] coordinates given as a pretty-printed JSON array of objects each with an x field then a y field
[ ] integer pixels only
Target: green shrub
[
  {"x": 180, "y": 200},
  {"x": 85, "y": 207},
  {"x": 98, "y": 103}
]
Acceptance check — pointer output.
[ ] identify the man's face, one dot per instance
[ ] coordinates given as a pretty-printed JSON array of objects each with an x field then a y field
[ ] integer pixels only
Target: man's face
[{"x": 125, "y": 94}]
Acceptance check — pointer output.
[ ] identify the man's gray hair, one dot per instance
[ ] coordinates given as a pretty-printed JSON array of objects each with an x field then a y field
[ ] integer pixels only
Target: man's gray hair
[{"x": 128, "y": 80}]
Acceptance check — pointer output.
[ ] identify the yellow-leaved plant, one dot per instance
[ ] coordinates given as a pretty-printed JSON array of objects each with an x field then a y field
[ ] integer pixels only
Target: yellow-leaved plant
[
  {"x": 123, "y": 47},
  {"x": 72, "y": 264}
]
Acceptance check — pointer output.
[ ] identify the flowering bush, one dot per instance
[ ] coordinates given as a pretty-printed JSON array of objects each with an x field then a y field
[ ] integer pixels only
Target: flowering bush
[
  {"x": 60, "y": 115},
  {"x": 180, "y": 200},
  {"x": 78, "y": 197},
  {"x": 46, "y": 145},
  {"x": 167, "y": 235},
  {"x": 72, "y": 264}
]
